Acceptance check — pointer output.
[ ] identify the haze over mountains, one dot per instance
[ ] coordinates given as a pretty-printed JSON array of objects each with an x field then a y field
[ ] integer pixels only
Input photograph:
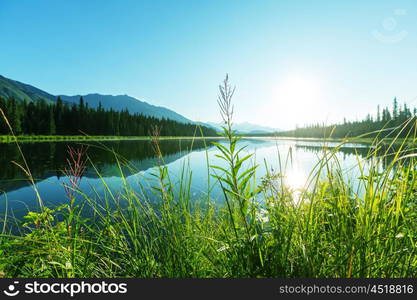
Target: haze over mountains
[{"x": 24, "y": 92}]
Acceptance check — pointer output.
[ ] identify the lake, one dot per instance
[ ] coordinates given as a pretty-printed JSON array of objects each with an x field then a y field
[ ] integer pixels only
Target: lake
[{"x": 47, "y": 162}]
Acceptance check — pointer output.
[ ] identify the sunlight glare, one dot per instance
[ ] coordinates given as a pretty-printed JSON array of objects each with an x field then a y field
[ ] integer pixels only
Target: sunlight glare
[
  {"x": 295, "y": 179},
  {"x": 298, "y": 99}
]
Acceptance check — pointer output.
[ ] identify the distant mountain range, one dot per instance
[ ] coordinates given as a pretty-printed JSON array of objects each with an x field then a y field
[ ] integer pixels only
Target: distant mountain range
[
  {"x": 133, "y": 105},
  {"x": 24, "y": 92},
  {"x": 246, "y": 128}
]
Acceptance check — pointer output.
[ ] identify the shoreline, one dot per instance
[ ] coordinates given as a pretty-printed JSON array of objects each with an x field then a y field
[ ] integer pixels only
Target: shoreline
[
  {"x": 7, "y": 139},
  {"x": 4, "y": 139}
]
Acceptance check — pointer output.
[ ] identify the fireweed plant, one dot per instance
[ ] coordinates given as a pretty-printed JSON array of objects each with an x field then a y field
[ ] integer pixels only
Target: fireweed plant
[{"x": 330, "y": 228}]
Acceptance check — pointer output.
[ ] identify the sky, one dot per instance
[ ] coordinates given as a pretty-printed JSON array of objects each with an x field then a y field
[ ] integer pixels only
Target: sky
[{"x": 292, "y": 62}]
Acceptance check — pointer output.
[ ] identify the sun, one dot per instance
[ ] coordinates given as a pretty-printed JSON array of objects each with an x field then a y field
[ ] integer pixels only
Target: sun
[{"x": 297, "y": 98}]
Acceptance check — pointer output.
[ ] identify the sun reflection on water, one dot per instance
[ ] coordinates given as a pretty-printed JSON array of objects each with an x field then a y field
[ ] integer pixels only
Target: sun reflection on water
[{"x": 295, "y": 179}]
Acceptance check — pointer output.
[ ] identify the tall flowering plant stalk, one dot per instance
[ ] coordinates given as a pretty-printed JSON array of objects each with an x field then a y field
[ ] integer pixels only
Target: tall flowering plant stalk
[
  {"x": 74, "y": 171},
  {"x": 236, "y": 180}
]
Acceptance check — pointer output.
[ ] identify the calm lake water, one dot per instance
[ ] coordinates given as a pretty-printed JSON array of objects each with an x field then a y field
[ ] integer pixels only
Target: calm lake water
[{"x": 48, "y": 160}]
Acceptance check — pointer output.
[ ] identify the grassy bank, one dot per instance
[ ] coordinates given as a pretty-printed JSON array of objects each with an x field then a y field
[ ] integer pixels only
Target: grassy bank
[
  {"x": 77, "y": 138},
  {"x": 331, "y": 228}
]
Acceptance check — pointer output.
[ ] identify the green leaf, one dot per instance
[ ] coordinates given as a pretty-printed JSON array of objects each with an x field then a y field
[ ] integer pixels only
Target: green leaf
[
  {"x": 222, "y": 147},
  {"x": 241, "y": 161},
  {"x": 221, "y": 169},
  {"x": 247, "y": 172}
]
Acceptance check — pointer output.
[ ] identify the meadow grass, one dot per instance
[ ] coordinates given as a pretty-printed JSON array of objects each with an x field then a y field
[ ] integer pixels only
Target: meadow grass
[
  {"x": 331, "y": 228},
  {"x": 78, "y": 138}
]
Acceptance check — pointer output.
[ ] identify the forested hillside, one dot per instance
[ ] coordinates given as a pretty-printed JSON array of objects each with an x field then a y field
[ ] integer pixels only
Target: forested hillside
[
  {"x": 60, "y": 118},
  {"x": 386, "y": 122},
  {"x": 20, "y": 91},
  {"x": 10, "y": 88}
]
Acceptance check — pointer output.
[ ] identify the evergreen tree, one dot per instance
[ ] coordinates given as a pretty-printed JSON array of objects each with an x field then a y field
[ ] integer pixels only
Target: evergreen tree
[
  {"x": 51, "y": 122},
  {"x": 15, "y": 117},
  {"x": 42, "y": 118},
  {"x": 395, "y": 109},
  {"x": 59, "y": 112}
]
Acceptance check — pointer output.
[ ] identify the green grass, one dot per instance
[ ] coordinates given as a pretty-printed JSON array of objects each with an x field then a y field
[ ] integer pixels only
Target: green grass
[
  {"x": 329, "y": 229},
  {"x": 74, "y": 138}
]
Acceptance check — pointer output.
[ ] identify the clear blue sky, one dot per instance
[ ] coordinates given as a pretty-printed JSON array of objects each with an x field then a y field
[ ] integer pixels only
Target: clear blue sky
[{"x": 293, "y": 62}]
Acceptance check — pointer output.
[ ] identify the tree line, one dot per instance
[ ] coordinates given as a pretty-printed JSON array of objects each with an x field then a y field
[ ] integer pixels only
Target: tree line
[
  {"x": 396, "y": 121},
  {"x": 61, "y": 118}
]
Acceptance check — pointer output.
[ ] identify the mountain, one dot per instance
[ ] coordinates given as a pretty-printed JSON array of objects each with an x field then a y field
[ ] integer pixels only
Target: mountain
[
  {"x": 245, "y": 128},
  {"x": 122, "y": 102},
  {"x": 20, "y": 91},
  {"x": 23, "y": 92}
]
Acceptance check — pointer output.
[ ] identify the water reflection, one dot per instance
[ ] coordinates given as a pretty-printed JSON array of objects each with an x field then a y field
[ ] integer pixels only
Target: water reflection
[
  {"x": 384, "y": 153},
  {"x": 47, "y": 160}
]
